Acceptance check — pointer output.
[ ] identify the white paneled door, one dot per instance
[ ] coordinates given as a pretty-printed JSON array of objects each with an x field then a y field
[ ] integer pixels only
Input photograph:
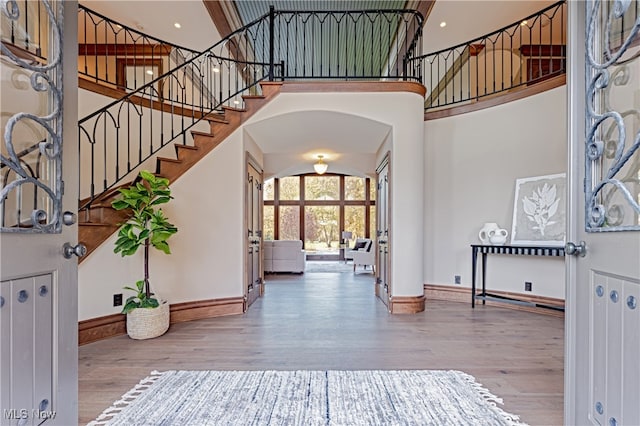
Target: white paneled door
[{"x": 603, "y": 274}]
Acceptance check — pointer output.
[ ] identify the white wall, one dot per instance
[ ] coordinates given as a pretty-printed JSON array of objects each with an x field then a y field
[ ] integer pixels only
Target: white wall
[
  {"x": 471, "y": 164},
  {"x": 404, "y": 113},
  {"x": 206, "y": 259}
]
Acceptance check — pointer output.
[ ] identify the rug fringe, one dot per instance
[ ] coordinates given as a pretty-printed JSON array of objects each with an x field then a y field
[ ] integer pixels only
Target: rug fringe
[
  {"x": 492, "y": 400},
  {"x": 126, "y": 399}
]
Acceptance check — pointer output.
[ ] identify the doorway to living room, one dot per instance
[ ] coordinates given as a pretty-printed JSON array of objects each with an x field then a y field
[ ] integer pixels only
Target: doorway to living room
[{"x": 329, "y": 214}]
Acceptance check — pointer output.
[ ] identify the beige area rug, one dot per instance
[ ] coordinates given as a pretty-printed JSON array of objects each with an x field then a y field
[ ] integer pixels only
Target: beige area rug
[{"x": 369, "y": 397}]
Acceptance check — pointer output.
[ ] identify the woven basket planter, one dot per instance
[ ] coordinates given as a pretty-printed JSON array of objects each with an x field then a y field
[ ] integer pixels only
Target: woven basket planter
[{"x": 145, "y": 323}]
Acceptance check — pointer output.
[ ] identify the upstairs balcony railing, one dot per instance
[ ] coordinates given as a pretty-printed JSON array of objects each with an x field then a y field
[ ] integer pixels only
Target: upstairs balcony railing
[
  {"x": 346, "y": 45},
  {"x": 119, "y": 139},
  {"x": 521, "y": 54},
  {"x": 113, "y": 54}
]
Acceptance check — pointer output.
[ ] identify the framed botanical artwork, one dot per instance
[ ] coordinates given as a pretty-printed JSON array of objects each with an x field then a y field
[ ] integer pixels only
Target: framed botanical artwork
[{"x": 539, "y": 211}]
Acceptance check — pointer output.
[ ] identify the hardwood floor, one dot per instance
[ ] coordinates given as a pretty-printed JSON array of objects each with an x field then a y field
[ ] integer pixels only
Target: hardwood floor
[{"x": 327, "y": 320}]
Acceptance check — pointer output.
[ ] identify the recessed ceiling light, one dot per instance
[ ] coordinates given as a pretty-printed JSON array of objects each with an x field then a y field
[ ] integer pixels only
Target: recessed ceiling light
[
  {"x": 236, "y": 102},
  {"x": 443, "y": 24},
  {"x": 216, "y": 69},
  {"x": 523, "y": 23},
  {"x": 149, "y": 72},
  {"x": 177, "y": 25}
]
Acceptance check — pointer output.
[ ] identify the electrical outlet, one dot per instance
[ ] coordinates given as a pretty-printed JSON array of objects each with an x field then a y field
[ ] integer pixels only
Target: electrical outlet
[
  {"x": 457, "y": 279},
  {"x": 528, "y": 286},
  {"x": 117, "y": 299}
]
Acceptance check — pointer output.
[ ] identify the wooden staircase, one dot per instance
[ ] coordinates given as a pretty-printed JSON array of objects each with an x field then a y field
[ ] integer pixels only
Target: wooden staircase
[{"x": 100, "y": 221}]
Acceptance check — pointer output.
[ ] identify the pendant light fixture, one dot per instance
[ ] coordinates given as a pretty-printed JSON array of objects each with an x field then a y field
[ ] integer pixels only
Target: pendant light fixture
[{"x": 320, "y": 167}]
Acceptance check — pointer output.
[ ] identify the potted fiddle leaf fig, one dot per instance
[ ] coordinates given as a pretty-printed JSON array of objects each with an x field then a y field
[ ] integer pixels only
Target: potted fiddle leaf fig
[{"x": 147, "y": 227}]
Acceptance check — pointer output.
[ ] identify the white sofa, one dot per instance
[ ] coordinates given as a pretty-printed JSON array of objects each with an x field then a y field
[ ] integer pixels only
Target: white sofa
[{"x": 283, "y": 256}]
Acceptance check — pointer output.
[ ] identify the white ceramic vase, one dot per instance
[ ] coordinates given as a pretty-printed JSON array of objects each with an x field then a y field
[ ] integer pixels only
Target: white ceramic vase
[
  {"x": 498, "y": 237},
  {"x": 484, "y": 232}
]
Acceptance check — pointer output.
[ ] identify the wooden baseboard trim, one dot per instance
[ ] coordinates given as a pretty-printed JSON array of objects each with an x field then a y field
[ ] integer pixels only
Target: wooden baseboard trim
[
  {"x": 463, "y": 295},
  {"x": 100, "y": 328},
  {"x": 406, "y": 304},
  {"x": 95, "y": 329},
  {"x": 201, "y": 309}
]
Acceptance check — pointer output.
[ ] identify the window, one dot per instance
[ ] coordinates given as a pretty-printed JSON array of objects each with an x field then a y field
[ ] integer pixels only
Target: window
[
  {"x": 354, "y": 188},
  {"x": 290, "y": 188},
  {"x": 330, "y": 203},
  {"x": 268, "y": 226},
  {"x": 269, "y": 189},
  {"x": 289, "y": 223},
  {"x": 354, "y": 220},
  {"x": 322, "y": 188},
  {"x": 321, "y": 229}
]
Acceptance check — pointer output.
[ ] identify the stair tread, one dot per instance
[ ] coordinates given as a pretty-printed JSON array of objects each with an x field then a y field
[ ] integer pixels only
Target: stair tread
[
  {"x": 216, "y": 119},
  {"x": 233, "y": 109},
  {"x": 169, "y": 160},
  {"x": 253, "y": 97},
  {"x": 199, "y": 133},
  {"x": 191, "y": 147}
]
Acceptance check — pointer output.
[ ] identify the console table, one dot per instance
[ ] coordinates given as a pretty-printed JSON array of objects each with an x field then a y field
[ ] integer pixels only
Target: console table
[{"x": 514, "y": 250}]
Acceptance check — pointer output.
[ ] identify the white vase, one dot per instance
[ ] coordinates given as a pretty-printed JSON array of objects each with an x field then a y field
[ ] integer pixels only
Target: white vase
[
  {"x": 483, "y": 235},
  {"x": 498, "y": 237}
]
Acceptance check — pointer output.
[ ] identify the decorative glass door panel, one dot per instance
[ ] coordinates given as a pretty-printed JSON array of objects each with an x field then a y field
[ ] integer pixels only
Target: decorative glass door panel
[
  {"x": 30, "y": 163},
  {"x": 613, "y": 117}
]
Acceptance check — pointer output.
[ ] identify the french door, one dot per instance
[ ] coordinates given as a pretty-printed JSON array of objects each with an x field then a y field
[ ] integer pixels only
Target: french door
[
  {"x": 253, "y": 274},
  {"x": 383, "y": 274}
]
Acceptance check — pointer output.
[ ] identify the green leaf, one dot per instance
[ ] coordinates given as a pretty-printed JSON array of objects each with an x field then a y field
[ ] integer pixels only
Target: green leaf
[
  {"x": 130, "y": 305},
  {"x": 148, "y": 176},
  {"x": 160, "y": 200},
  {"x": 119, "y": 204},
  {"x": 150, "y": 303},
  {"x": 162, "y": 246}
]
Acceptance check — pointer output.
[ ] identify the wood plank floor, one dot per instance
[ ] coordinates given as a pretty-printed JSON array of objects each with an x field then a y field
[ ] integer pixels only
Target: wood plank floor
[{"x": 327, "y": 320}]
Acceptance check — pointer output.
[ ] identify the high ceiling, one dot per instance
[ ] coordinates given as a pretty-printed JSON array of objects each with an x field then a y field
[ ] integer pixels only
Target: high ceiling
[{"x": 253, "y": 9}]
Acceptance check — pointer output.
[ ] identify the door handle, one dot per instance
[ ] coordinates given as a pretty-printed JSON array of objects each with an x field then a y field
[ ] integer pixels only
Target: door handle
[
  {"x": 576, "y": 250},
  {"x": 68, "y": 250}
]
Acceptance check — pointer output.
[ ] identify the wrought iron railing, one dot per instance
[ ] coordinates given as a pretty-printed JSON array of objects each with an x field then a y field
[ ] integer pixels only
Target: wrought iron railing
[
  {"x": 347, "y": 45},
  {"x": 119, "y": 56},
  {"x": 524, "y": 53},
  {"x": 119, "y": 139}
]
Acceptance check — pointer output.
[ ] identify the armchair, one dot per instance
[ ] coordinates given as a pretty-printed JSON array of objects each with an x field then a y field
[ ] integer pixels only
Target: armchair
[
  {"x": 364, "y": 256},
  {"x": 359, "y": 244}
]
